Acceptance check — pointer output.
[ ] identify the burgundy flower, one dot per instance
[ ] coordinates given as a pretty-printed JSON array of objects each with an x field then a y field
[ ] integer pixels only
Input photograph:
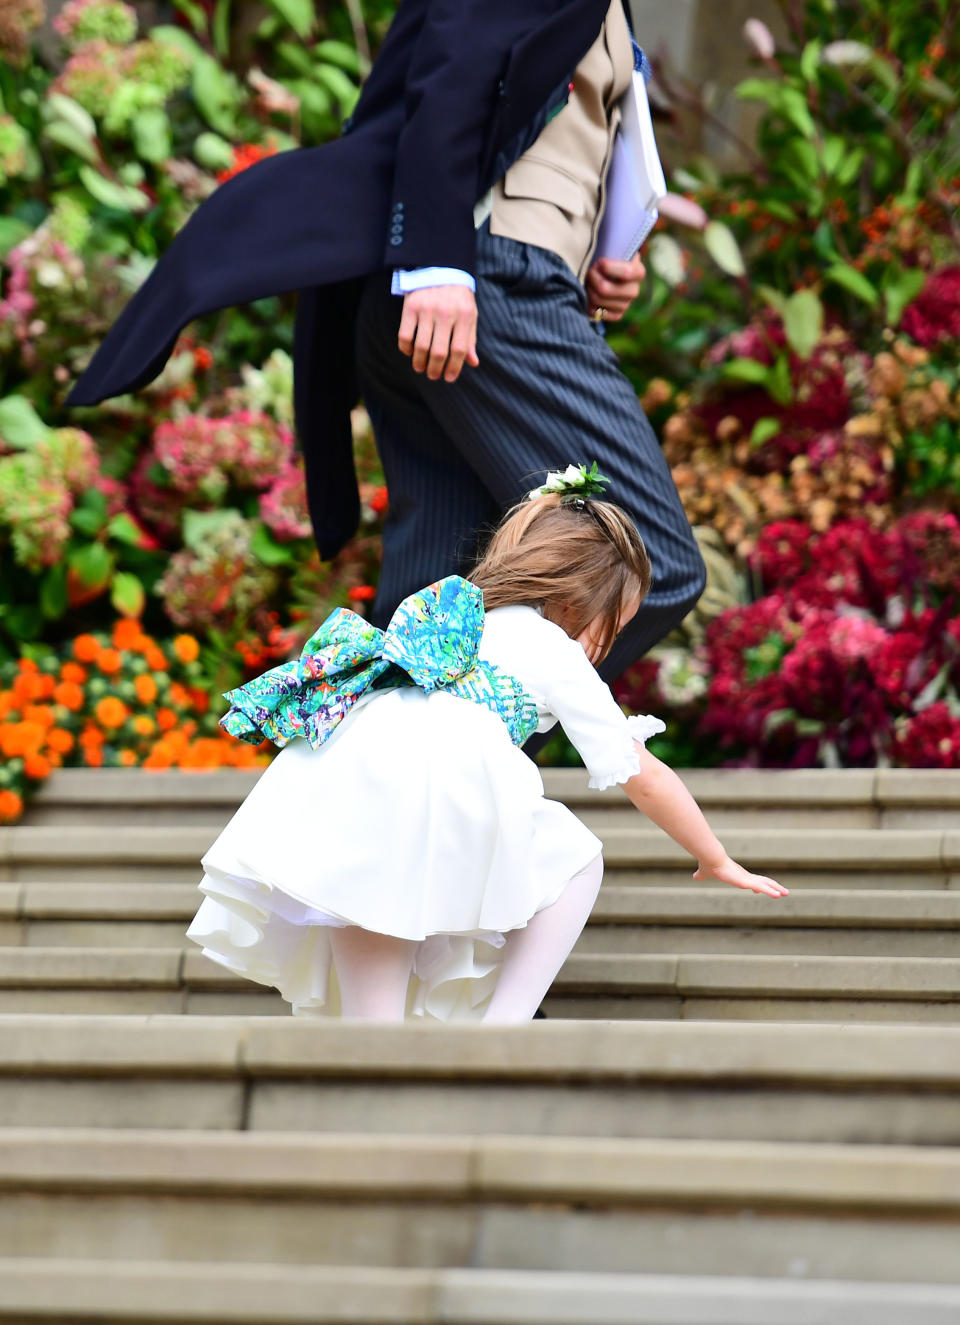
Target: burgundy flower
[
  {"x": 930, "y": 739},
  {"x": 934, "y": 316}
]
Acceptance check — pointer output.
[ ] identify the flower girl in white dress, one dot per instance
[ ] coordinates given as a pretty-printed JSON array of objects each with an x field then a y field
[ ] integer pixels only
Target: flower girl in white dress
[{"x": 398, "y": 858}]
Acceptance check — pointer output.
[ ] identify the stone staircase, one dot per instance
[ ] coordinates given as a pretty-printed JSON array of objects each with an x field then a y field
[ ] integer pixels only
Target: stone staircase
[{"x": 739, "y": 1111}]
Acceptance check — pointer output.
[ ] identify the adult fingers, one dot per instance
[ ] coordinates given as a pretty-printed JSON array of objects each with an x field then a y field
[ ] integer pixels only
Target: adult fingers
[
  {"x": 408, "y": 326},
  {"x": 422, "y": 343},
  {"x": 439, "y": 347},
  {"x": 463, "y": 348}
]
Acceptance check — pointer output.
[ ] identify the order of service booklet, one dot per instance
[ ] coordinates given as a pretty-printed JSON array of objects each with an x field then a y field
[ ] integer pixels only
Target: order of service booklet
[{"x": 635, "y": 181}]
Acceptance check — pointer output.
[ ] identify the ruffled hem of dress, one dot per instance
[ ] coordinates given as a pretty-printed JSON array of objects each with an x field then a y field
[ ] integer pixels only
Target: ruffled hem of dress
[
  {"x": 272, "y": 938},
  {"x": 640, "y": 727}
]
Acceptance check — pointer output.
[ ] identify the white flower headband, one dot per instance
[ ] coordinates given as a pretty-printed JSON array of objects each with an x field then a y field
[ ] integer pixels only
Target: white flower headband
[{"x": 575, "y": 484}]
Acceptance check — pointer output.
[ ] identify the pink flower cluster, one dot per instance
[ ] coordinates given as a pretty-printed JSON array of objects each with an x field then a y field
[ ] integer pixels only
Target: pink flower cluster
[
  {"x": 842, "y": 661},
  {"x": 934, "y": 316},
  {"x": 44, "y": 272},
  {"x": 195, "y": 461},
  {"x": 283, "y": 507}
]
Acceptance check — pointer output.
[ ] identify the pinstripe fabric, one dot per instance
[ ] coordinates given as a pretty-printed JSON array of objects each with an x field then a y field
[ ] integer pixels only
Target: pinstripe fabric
[{"x": 548, "y": 392}]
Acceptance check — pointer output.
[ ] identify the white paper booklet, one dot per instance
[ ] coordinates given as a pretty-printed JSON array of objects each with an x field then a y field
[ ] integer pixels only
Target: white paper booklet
[{"x": 635, "y": 181}]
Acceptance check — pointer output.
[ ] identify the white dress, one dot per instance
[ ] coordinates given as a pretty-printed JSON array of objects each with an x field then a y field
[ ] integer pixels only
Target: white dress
[{"x": 418, "y": 818}]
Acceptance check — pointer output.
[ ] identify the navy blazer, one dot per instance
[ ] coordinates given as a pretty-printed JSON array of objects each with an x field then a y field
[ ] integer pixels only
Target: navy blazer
[{"x": 459, "y": 90}]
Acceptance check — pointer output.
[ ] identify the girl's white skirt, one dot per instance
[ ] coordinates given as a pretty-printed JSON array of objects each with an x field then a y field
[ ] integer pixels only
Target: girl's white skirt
[{"x": 417, "y": 818}]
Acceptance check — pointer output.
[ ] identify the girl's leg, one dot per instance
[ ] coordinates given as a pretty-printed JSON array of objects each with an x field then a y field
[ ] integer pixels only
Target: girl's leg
[
  {"x": 373, "y": 971},
  {"x": 534, "y": 955}
]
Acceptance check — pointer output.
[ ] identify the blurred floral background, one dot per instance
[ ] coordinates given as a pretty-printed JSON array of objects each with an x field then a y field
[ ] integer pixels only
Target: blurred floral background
[{"x": 795, "y": 345}]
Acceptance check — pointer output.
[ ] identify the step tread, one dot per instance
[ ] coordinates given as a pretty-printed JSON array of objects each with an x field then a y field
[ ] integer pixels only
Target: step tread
[
  {"x": 236, "y": 1294},
  {"x": 840, "y": 848},
  {"x": 599, "y": 1171},
  {"x": 617, "y": 904},
  {"x": 712, "y": 1052}
]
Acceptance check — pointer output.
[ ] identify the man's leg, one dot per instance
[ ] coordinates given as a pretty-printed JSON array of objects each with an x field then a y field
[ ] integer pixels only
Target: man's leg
[
  {"x": 549, "y": 392},
  {"x": 438, "y": 505}
]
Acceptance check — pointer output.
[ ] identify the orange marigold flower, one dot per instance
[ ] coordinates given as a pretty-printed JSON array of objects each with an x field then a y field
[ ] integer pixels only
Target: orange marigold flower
[
  {"x": 179, "y": 695},
  {"x": 186, "y": 648},
  {"x": 70, "y": 695},
  {"x": 127, "y": 759},
  {"x": 161, "y": 756},
  {"x": 45, "y": 685},
  {"x": 166, "y": 719},
  {"x": 71, "y": 671},
  {"x": 156, "y": 658},
  {"x": 93, "y": 758},
  {"x": 86, "y": 648},
  {"x": 27, "y": 687},
  {"x": 111, "y": 712},
  {"x": 39, "y": 713},
  {"x": 21, "y": 738},
  {"x": 11, "y": 806},
  {"x": 202, "y": 359},
  {"x": 143, "y": 725},
  {"x": 91, "y": 735},
  {"x": 60, "y": 740},
  {"x": 109, "y": 662},
  {"x": 146, "y": 688},
  {"x": 6, "y": 702},
  {"x": 126, "y": 633},
  {"x": 200, "y": 699},
  {"x": 28, "y": 665},
  {"x": 36, "y": 767}
]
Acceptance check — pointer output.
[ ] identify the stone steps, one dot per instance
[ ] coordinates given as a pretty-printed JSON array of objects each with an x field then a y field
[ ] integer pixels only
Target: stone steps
[
  {"x": 490, "y": 1202},
  {"x": 845, "y": 798},
  {"x": 845, "y": 857},
  {"x": 855, "y": 1084},
  {"x": 591, "y": 985},
  {"x": 714, "y": 919},
  {"x": 197, "y": 1293}
]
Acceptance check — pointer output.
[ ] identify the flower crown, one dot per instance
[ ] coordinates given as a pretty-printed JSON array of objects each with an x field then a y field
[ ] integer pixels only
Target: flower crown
[{"x": 575, "y": 484}]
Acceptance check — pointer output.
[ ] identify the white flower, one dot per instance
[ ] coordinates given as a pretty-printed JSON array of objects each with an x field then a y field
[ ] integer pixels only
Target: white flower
[
  {"x": 572, "y": 476},
  {"x": 846, "y": 53}
]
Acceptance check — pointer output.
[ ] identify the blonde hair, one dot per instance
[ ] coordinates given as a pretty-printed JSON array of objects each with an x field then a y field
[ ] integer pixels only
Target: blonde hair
[{"x": 576, "y": 561}]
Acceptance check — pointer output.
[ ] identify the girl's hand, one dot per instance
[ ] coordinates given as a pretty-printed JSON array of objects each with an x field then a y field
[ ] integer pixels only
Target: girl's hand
[{"x": 728, "y": 871}]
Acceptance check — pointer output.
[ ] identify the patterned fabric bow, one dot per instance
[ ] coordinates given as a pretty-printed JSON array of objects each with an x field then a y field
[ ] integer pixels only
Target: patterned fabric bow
[{"x": 431, "y": 642}]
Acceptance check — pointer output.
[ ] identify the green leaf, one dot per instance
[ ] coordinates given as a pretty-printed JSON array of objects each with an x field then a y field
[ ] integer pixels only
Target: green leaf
[
  {"x": 841, "y": 273},
  {"x": 296, "y": 57},
  {"x": 901, "y": 285},
  {"x": 746, "y": 370},
  {"x": 174, "y": 36},
  {"x": 803, "y": 322},
  {"x": 339, "y": 53},
  {"x": 92, "y": 564},
  {"x": 763, "y": 430},
  {"x": 337, "y": 83},
  {"x": 221, "y": 28},
  {"x": 935, "y": 89},
  {"x": 23, "y": 622},
  {"x": 123, "y": 529},
  {"x": 724, "y": 249},
  {"x": 780, "y": 383},
  {"x": 803, "y": 154},
  {"x": 299, "y": 14},
  {"x": 884, "y": 72},
  {"x": 759, "y": 89},
  {"x": 793, "y": 107},
  {"x": 834, "y": 150},
  {"x": 775, "y": 298},
  {"x": 12, "y": 231},
  {"x": 53, "y": 592},
  {"x": 267, "y": 550},
  {"x": 666, "y": 259},
  {"x": 194, "y": 14},
  {"x": 127, "y": 594},
  {"x": 65, "y": 135},
  {"x": 848, "y": 169},
  {"x": 212, "y": 152},
  {"x": 198, "y": 524},
  {"x": 122, "y": 197},
  {"x": 810, "y": 60},
  {"x": 151, "y": 135},
  {"x": 21, "y": 427},
  {"x": 64, "y": 108},
  {"x": 86, "y": 522},
  {"x": 217, "y": 95}
]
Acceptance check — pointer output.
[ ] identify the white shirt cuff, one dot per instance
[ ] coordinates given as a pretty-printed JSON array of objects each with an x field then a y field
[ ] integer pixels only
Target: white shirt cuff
[{"x": 418, "y": 279}]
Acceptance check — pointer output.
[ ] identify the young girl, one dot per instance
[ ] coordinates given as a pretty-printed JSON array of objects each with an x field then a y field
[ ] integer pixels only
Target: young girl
[{"x": 402, "y": 836}]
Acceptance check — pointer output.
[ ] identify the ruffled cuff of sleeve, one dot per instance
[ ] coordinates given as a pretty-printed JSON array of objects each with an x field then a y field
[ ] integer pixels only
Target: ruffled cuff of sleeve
[{"x": 639, "y": 728}]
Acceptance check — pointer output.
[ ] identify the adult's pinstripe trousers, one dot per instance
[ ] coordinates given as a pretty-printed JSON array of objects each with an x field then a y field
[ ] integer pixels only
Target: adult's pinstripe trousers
[{"x": 548, "y": 393}]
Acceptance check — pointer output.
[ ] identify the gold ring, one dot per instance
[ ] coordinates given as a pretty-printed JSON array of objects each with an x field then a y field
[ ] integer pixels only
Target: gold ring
[{"x": 599, "y": 315}]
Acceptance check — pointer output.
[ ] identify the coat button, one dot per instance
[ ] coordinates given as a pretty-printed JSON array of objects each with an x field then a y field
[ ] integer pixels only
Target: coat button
[{"x": 396, "y": 240}]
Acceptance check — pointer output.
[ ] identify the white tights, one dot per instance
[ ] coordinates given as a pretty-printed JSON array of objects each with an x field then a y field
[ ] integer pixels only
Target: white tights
[{"x": 373, "y": 970}]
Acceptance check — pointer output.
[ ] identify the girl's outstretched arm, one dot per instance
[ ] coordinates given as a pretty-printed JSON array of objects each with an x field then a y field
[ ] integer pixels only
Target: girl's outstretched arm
[{"x": 659, "y": 794}]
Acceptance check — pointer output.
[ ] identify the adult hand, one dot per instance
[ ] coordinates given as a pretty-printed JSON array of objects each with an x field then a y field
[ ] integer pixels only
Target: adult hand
[
  {"x": 438, "y": 330},
  {"x": 613, "y": 286}
]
